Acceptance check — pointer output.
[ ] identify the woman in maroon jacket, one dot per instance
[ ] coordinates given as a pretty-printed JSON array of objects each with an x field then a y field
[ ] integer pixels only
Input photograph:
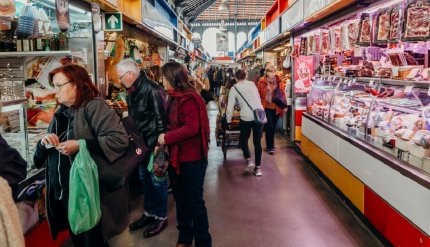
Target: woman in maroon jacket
[{"x": 187, "y": 138}]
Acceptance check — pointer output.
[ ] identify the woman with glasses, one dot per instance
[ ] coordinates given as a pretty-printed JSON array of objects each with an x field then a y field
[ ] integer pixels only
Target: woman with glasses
[{"x": 82, "y": 116}]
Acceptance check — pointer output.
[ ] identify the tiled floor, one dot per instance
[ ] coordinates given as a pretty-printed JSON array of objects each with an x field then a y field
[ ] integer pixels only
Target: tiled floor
[{"x": 288, "y": 206}]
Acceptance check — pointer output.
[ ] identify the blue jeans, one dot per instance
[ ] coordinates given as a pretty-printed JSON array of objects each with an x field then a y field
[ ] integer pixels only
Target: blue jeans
[
  {"x": 191, "y": 211},
  {"x": 155, "y": 193}
]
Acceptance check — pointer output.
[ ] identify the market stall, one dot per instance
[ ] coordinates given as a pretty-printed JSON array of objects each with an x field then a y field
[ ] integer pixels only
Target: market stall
[
  {"x": 36, "y": 37},
  {"x": 365, "y": 84}
]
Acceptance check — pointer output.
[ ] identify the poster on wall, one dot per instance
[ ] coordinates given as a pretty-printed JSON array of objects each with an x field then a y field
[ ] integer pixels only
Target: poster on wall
[
  {"x": 303, "y": 70},
  {"x": 221, "y": 42}
]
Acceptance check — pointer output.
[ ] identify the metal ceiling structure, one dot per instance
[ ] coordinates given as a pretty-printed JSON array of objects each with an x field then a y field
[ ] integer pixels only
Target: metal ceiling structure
[{"x": 207, "y": 10}]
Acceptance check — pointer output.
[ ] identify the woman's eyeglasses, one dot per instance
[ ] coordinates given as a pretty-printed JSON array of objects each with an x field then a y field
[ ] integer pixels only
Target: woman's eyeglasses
[{"x": 58, "y": 86}]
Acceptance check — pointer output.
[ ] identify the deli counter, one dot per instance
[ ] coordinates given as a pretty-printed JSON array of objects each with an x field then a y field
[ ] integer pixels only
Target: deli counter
[{"x": 370, "y": 138}]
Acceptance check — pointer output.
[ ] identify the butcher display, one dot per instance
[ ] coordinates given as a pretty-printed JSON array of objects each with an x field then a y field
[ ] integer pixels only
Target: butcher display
[
  {"x": 325, "y": 42},
  {"x": 417, "y": 21}
]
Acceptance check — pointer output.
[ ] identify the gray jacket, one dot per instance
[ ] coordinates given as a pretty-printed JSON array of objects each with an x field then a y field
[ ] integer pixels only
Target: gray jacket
[{"x": 94, "y": 119}]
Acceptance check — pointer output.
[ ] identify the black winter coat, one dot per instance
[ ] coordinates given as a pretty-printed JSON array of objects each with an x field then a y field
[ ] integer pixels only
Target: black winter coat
[
  {"x": 13, "y": 168},
  {"x": 147, "y": 106}
]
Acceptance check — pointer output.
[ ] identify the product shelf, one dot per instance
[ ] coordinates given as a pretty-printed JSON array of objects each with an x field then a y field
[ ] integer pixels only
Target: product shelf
[{"x": 34, "y": 53}]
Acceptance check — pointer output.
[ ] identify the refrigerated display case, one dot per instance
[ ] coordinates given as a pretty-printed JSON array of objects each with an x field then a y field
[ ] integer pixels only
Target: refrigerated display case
[{"x": 387, "y": 115}]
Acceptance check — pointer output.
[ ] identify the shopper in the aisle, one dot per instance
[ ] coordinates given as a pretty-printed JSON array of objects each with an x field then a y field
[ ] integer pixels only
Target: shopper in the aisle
[
  {"x": 81, "y": 115},
  {"x": 246, "y": 93},
  {"x": 187, "y": 138},
  {"x": 266, "y": 87},
  {"x": 146, "y": 105},
  {"x": 220, "y": 79}
]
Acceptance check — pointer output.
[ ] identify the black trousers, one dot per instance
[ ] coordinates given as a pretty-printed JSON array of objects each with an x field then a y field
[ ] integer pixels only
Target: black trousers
[
  {"x": 91, "y": 238},
  {"x": 270, "y": 127},
  {"x": 245, "y": 133},
  {"x": 191, "y": 211}
]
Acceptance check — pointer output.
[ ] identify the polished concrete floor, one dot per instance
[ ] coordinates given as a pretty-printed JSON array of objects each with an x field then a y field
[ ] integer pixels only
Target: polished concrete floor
[{"x": 288, "y": 206}]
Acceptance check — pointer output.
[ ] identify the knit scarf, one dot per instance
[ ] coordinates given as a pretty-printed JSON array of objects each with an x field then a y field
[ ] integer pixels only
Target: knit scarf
[
  {"x": 176, "y": 101},
  {"x": 271, "y": 84}
]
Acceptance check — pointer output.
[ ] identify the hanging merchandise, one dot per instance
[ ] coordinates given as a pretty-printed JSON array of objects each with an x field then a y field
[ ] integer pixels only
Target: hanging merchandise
[
  {"x": 317, "y": 41},
  {"x": 7, "y": 12},
  {"x": 416, "y": 26},
  {"x": 303, "y": 45},
  {"x": 395, "y": 24},
  {"x": 25, "y": 22},
  {"x": 364, "y": 33},
  {"x": 338, "y": 39},
  {"x": 38, "y": 23},
  {"x": 382, "y": 33},
  {"x": 111, "y": 62},
  {"x": 325, "y": 42},
  {"x": 46, "y": 22},
  {"x": 62, "y": 12}
]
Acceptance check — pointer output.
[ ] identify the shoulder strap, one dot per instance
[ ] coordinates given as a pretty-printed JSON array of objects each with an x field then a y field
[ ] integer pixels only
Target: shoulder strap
[{"x": 243, "y": 98}]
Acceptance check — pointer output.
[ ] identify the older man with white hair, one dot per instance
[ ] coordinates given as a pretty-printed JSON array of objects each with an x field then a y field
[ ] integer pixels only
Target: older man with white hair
[{"x": 146, "y": 105}]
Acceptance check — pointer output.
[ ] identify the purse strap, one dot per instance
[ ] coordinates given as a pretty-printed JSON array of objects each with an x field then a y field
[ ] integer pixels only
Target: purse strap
[{"x": 243, "y": 98}]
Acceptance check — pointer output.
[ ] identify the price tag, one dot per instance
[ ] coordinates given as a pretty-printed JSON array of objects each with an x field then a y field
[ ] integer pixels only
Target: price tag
[
  {"x": 354, "y": 80},
  {"x": 408, "y": 89},
  {"x": 371, "y": 83},
  {"x": 428, "y": 92}
]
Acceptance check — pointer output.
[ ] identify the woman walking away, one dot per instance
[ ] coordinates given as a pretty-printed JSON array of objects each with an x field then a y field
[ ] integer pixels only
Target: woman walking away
[
  {"x": 187, "y": 138},
  {"x": 266, "y": 86},
  {"x": 82, "y": 116},
  {"x": 246, "y": 93}
]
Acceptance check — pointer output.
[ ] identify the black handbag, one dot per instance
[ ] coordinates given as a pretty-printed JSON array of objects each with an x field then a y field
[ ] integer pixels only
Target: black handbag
[
  {"x": 259, "y": 114},
  {"x": 114, "y": 175},
  {"x": 279, "y": 99},
  {"x": 206, "y": 95}
]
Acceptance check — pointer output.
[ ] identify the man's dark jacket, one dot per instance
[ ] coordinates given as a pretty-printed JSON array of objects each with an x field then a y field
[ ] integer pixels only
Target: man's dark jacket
[
  {"x": 13, "y": 168},
  {"x": 147, "y": 106}
]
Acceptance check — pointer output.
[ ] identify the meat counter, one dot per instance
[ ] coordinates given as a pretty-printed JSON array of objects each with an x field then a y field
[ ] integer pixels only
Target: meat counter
[{"x": 370, "y": 138}]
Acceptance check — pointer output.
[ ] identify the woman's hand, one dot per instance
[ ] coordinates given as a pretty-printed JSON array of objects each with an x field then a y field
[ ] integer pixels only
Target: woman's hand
[
  {"x": 68, "y": 147},
  {"x": 161, "y": 139},
  {"x": 50, "y": 139}
]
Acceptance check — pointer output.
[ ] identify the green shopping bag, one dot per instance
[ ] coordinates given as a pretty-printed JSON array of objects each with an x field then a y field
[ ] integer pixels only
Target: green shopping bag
[{"x": 84, "y": 196}]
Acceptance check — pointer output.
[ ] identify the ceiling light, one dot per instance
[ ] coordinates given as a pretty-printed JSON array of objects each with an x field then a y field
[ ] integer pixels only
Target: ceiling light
[
  {"x": 223, "y": 6},
  {"x": 222, "y": 26}
]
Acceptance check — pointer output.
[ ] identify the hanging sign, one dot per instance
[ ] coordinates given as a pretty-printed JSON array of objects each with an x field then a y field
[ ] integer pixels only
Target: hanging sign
[
  {"x": 292, "y": 17},
  {"x": 97, "y": 19},
  {"x": 303, "y": 72},
  {"x": 112, "y": 21},
  {"x": 272, "y": 30},
  {"x": 62, "y": 12}
]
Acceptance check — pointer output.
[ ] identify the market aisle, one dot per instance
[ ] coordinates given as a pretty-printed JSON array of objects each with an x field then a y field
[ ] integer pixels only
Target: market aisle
[{"x": 288, "y": 206}]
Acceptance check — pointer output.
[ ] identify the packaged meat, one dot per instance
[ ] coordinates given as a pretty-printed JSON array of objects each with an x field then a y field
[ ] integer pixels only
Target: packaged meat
[
  {"x": 384, "y": 72},
  {"x": 303, "y": 45},
  {"x": 349, "y": 34},
  {"x": 332, "y": 40},
  {"x": 317, "y": 42},
  {"x": 364, "y": 34},
  {"x": 395, "y": 20},
  {"x": 382, "y": 33},
  {"x": 325, "y": 42},
  {"x": 417, "y": 21},
  {"x": 310, "y": 45},
  {"x": 338, "y": 39}
]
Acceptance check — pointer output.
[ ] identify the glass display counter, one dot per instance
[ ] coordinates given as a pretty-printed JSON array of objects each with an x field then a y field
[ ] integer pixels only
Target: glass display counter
[{"x": 387, "y": 115}]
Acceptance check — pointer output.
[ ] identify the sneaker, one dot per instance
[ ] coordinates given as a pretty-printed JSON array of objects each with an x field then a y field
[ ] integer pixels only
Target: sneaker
[
  {"x": 257, "y": 172},
  {"x": 250, "y": 166}
]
